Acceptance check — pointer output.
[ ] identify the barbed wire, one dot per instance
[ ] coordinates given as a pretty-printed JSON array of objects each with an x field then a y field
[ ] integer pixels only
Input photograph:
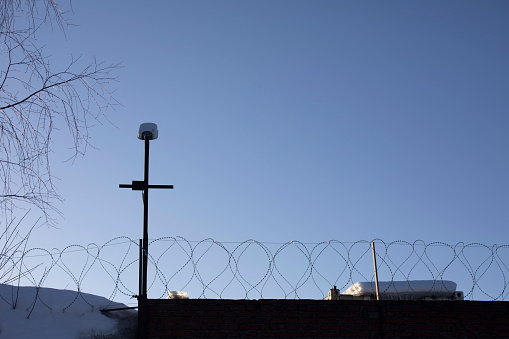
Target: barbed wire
[{"x": 254, "y": 270}]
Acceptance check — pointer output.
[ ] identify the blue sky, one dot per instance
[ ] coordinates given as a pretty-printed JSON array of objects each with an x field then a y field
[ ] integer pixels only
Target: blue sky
[{"x": 283, "y": 120}]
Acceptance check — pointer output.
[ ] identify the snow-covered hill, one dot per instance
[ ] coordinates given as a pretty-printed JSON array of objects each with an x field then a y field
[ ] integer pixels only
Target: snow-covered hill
[{"x": 30, "y": 313}]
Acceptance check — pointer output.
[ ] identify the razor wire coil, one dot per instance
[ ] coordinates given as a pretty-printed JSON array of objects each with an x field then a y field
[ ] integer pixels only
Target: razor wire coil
[{"x": 255, "y": 270}]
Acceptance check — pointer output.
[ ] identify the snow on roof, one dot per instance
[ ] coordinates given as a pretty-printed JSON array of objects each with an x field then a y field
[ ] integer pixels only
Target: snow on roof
[{"x": 412, "y": 289}]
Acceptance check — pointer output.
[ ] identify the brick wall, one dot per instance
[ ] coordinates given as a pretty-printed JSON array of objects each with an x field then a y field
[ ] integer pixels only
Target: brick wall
[{"x": 210, "y": 318}]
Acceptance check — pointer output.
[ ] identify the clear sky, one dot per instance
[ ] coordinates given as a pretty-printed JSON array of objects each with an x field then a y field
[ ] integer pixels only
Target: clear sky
[{"x": 283, "y": 120}]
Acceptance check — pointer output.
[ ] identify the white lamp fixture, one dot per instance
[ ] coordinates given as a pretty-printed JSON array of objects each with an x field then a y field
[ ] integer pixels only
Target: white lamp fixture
[{"x": 148, "y": 130}]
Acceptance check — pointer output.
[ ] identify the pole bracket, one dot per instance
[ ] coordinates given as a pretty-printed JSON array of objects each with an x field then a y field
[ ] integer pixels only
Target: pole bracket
[{"x": 140, "y": 186}]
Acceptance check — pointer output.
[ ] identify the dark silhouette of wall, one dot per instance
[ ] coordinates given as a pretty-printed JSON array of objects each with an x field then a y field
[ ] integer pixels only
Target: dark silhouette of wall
[{"x": 267, "y": 318}]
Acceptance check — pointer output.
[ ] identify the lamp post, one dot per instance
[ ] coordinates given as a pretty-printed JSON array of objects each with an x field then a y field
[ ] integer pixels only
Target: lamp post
[{"x": 147, "y": 132}]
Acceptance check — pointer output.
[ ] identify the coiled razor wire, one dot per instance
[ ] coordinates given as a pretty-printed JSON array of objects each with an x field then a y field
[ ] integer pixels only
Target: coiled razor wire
[{"x": 252, "y": 269}]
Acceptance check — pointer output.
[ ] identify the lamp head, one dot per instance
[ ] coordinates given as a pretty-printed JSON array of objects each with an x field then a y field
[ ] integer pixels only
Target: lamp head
[{"x": 148, "y": 131}]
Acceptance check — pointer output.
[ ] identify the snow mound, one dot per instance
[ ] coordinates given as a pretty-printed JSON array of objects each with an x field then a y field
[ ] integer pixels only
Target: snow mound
[
  {"x": 411, "y": 290},
  {"x": 30, "y": 312}
]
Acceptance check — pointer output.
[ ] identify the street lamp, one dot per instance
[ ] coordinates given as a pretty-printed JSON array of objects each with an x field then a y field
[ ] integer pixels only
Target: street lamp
[{"x": 148, "y": 131}]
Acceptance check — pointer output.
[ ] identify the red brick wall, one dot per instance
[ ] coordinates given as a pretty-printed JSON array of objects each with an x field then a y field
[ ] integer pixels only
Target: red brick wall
[{"x": 210, "y": 318}]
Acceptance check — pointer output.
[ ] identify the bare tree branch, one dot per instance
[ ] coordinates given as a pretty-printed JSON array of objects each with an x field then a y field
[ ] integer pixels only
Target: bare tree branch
[{"x": 36, "y": 101}]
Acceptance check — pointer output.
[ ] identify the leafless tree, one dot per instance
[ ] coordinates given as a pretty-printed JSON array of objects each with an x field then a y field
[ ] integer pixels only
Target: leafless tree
[{"x": 36, "y": 100}]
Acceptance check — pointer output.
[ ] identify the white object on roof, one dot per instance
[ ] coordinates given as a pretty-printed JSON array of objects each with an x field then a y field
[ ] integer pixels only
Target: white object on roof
[
  {"x": 177, "y": 295},
  {"x": 414, "y": 289}
]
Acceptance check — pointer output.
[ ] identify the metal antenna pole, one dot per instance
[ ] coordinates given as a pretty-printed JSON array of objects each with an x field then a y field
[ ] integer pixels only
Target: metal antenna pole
[
  {"x": 147, "y": 132},
  {"x": 140, "y": 269},
  {"x": 145, "y": 220},
  {"x": 376, "y": 270}
]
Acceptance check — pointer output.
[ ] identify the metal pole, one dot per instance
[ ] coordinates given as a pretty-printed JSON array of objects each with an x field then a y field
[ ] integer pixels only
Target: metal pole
[
  {"x": 147, "y": 132},
  {"x": 145, "y": 220},
  {"x": 140, "y": 327},
  {"x": 376, "y": 271},
  {"x": 140, "y": 273}
]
